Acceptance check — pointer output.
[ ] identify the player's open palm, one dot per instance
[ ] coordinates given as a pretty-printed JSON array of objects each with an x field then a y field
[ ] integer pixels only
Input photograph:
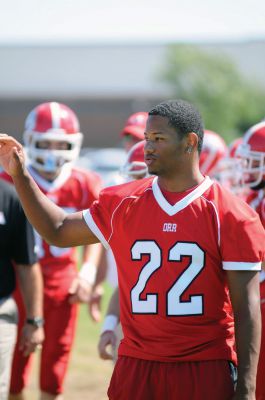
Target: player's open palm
[{"x": 11, "y": 155}]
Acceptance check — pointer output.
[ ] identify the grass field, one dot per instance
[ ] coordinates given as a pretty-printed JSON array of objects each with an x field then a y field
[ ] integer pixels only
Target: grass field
[{"x": 88, "y": 376}]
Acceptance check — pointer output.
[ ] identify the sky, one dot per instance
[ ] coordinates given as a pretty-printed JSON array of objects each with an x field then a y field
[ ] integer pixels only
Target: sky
[{"x": 106, "y": 21}]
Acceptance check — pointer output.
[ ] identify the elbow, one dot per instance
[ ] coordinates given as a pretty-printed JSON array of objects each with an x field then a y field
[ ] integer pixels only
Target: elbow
[{"x": 55, "y": 241}]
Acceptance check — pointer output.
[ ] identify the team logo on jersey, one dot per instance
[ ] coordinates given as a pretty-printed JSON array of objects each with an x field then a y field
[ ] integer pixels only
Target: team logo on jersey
[
  {"x": 2, "y": 218},
  {"x": 169, "y": 227}
]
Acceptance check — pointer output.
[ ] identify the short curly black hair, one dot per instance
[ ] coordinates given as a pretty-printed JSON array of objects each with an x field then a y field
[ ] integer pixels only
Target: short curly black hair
[{"x": 182, "y": 116}]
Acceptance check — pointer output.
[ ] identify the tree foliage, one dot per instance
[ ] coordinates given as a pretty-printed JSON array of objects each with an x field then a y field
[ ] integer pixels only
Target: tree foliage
[{"x": 229, "y": 103}]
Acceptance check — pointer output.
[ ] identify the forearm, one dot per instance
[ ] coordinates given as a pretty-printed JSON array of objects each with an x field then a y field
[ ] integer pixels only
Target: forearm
[
  {"x": 92, "y": 254},
  {"x": 112, "y": 317},
  {"x": 43, "y": 214},
  {"x": 114, "y": 306},
  {"x": 248, "y": 334},
  {"x": 245, "y": 298},
  {"x": 90, "y": 262},
  {"x": 31, "y": 286}
]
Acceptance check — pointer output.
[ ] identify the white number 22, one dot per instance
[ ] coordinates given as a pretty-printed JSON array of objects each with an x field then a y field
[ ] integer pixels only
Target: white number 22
[{"x": 175, "y": 306}]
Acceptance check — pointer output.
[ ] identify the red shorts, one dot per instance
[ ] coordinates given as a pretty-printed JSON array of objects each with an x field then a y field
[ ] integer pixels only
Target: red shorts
[
  {"x": 133, "y": 378},
  {"x": 260, "y": 391},
  {"x": 60, "y": 323}
]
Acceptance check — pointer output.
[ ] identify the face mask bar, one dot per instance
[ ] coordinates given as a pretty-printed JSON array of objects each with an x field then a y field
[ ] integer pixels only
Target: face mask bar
[
  {"x": 136, "y": 168},
  {"x": 51, "y": 160},
  {"x": 252, "y": 166}
]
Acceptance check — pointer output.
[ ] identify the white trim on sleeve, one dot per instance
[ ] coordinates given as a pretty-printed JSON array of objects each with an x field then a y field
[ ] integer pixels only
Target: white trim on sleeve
[
  {"x": 241, "y": 266},
  {"x": 94, "y": 228}
]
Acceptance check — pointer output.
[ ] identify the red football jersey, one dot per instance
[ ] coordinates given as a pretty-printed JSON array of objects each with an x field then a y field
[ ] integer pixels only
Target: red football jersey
[
  {"x": 171, "y": 262},
  {"x": 256, "y": 200},
  {"x": 73, "y": 190}
]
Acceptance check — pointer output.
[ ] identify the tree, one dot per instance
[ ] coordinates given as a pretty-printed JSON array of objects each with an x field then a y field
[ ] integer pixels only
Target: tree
[{"x": 229, "y": 103}]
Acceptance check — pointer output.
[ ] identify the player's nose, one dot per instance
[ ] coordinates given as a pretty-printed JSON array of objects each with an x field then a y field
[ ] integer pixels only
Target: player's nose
[{"x": 149, "y": 147}]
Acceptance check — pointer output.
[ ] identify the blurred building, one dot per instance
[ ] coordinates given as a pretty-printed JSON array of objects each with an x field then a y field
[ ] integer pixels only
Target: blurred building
[{"x": 103, "y": 84}]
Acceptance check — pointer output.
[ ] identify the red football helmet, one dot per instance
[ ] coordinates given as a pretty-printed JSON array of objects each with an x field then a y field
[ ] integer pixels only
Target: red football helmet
[
  {"x": 135, "y": 166},
  {"x": 52, "y": 122},
  {"x": 135, "y": 125},
  {"x": 213, "y": 151},
  {"x": 232, "y": 148},
  {"x": 252, "y": 152}
]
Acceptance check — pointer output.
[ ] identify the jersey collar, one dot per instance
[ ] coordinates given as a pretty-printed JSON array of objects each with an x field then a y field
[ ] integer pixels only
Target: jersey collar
[{"x": 185, "y": 201}]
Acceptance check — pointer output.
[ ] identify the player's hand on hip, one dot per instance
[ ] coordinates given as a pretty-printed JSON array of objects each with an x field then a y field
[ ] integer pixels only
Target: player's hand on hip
[
  {"x": 31, "y": 338},
  {"x": 12, "y": 157},
  {"x": 107, "y": 339}
]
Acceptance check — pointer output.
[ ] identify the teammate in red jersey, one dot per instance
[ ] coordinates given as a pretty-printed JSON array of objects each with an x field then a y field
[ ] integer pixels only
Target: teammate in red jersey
[
  {"x": 188, "y": 254},
  {"x": 252, "y": 153},
  {"x": 53, "y": 141}
]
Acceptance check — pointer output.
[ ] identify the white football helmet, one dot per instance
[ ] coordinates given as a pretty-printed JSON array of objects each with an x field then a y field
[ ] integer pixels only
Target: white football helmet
[
  {"x": 51, "y": 122},
  {"x": 252, "y": 153}
]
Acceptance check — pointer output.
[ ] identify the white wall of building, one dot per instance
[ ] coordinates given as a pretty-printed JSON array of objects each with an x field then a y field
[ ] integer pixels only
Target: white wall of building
[
  {"x": 103, "y": 71},
  {"x": 80, "y": 71}
]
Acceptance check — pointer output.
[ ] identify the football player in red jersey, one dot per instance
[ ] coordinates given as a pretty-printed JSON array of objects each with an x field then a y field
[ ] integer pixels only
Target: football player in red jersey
[
  {"x": 188, "y": 254},
  {"x": 53, "y": 140},
  {"x": 252, "y": 153}
]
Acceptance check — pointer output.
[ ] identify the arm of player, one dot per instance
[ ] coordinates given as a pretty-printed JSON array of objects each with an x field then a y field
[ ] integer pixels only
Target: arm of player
[
  {"x": 245, "y": 298},
  {"x": 94, "y": 306},
  {"x": 108, "y": 336},
  {"x": 31, "y": 286},
  {"x": 51, "y": 222},
  {"x": 81, "y": 287}
]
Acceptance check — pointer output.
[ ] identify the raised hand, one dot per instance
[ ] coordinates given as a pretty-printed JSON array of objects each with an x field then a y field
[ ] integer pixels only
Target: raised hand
[{"x": 12, "y": 157}]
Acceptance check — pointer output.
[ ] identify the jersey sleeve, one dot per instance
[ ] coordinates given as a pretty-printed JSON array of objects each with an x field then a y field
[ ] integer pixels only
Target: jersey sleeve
[
  {"x": 100, "y": 215},
  {"x": 89, "y": 189},
  {"x": 242, "y": 237}
]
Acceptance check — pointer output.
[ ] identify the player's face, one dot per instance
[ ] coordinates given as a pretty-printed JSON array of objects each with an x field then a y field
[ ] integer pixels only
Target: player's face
[
  {"x": 52, "y": 145},
  {"x": 164, "y": 150}
]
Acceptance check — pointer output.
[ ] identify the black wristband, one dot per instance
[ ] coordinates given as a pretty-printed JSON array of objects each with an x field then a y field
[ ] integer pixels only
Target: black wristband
[{"x": 36, "y": 321}]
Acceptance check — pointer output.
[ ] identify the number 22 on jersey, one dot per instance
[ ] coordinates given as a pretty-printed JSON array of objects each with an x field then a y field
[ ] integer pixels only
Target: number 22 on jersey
[{"x": 175, "y": 306}]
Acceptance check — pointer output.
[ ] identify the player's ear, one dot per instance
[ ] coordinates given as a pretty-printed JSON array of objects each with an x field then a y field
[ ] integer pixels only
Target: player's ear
[{"x": 191, "y": 142}]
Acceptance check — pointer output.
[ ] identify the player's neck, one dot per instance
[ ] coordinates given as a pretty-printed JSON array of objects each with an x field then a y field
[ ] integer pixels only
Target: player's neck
[{"x": 180, "y": 183}]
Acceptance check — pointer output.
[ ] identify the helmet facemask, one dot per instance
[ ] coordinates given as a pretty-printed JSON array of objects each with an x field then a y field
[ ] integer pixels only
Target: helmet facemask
[
  {"x": 135, "y": 167},
  {"x": 51, "y": 160},
  {"x": 252, "y": 167}
]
